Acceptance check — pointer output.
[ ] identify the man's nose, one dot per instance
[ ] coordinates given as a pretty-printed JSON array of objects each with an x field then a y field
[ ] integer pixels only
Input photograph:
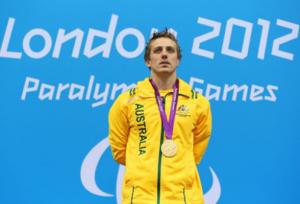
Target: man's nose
[{"x": 164, "y": 54}]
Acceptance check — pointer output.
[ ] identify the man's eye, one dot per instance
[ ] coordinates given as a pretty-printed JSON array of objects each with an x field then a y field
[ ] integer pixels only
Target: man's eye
[
  {"x": 157, "y": 50},
  {"x": 170, "y": 49}
]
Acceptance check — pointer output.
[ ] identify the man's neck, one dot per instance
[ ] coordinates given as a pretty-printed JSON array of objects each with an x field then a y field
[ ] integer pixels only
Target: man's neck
[{"x": 164, "y": 81}]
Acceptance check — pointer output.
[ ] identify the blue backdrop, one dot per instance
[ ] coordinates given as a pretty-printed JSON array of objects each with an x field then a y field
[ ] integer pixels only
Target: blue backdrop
[{"x": 63, "y": 63}]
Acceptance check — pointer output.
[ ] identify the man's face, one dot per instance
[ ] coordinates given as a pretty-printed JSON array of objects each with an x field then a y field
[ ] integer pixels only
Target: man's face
[{"x": 163, "y": 56}]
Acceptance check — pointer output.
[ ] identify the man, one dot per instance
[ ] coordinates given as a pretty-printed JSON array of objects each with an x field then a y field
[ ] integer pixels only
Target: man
[{"x": 160, "y": 151}]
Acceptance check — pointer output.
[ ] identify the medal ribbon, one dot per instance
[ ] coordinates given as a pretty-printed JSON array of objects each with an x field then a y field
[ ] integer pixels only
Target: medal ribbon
[{"x": 168, "y": 126}]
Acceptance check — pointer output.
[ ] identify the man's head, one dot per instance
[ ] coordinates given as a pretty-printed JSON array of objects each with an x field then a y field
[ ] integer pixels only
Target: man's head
[
  {"x": 162, "y": 34},
  {"x": 162, "y": 52}
]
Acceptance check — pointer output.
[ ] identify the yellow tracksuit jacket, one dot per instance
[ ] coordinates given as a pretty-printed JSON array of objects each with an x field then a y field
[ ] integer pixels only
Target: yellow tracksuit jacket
[{"x": 136, "y": 135}]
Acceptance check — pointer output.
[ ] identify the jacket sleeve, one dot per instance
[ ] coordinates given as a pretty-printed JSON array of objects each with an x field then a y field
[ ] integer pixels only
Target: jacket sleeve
[
  {"x": 202, "y": 131},
  {"x": 118, "y": 129}
]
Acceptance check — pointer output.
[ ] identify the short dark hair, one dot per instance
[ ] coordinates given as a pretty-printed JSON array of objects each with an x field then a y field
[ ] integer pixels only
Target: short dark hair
[{"x": 162, "y": 34}]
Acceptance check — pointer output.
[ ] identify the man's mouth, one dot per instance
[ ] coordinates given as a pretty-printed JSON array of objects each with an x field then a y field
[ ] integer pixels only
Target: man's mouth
[{"x": 164, "y": 62}]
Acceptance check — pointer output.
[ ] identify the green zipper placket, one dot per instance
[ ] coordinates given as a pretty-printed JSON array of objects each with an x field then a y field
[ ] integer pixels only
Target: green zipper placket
[
  {"x": 184, "y": 197},
  {"x": 160, "y": 156},
  {"x": 132, "y": 192}
]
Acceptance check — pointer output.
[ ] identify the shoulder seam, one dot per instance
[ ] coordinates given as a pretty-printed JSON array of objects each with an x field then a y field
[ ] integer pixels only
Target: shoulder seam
[
  {"x": 195, "y": 94},
  {"x": 132, "y": 92}
]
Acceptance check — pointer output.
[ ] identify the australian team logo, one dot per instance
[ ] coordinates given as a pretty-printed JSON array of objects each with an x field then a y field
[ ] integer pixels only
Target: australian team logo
[
  {"x": 91, "y": 162},
  {"x": 183, "y": 111}
]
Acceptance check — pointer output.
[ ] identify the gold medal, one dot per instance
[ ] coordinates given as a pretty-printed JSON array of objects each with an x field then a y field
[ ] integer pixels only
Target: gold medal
[{"x": 169, "y": 148}]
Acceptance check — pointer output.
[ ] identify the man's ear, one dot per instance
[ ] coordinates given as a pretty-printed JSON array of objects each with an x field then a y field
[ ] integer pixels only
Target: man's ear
[
  {"x": 147, "y": 63},
  {"x": 178, "y": 63}
]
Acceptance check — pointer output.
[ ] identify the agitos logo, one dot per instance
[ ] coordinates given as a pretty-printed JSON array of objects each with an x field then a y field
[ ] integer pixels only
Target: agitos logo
[{"x": 88, "y": 178}]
